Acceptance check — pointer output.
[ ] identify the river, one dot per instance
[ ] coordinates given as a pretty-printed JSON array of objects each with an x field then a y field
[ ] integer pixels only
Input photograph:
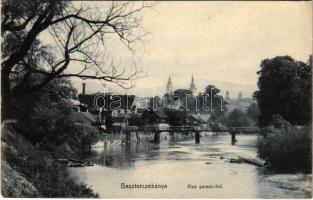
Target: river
[{"x": 187, "y": 169}]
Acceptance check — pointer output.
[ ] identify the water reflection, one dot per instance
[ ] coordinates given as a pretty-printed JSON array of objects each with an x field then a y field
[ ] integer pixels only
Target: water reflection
[
  {"x": 121, "y": 156},
  {"x": 179, "y": 164}
]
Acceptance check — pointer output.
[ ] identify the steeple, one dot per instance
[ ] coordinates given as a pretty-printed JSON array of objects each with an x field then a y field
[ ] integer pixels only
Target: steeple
[
  {"x": 169, "y": 87},
  {"x": 227, "y": 95},
  {"x": 192, "y": 87}
]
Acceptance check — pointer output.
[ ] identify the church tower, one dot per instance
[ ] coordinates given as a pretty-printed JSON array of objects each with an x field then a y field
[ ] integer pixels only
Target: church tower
[
  {"x": 192, "y": 86},
  {"x": 169, "y": 87},
  {"x": 227, "y": 95}
]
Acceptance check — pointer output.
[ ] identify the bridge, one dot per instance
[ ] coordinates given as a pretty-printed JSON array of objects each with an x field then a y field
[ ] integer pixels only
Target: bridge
[{"x": 157, "y": 129}]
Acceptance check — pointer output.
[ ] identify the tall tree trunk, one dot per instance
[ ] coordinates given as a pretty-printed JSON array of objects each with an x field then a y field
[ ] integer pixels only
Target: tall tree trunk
[{"x": 5, "y": 95}]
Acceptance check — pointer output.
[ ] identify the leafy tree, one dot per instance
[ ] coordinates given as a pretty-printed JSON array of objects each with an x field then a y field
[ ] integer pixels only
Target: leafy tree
[
  {"x": 186, "y": 99},
  {"x": 176, "y": 117},
  {"x": 279, "y": 122},
  {"x": 238, "y": 118},
  {"x": 284, "y": 89},
  {"x": 182, "y": 92},
  {"x": 212, "y": 88},
  {"x": 253, "y": 112},
  {"x": 214, "y": 99},
  {"x": 47, "y": 117},
  {"x": 46, "y": 40}
]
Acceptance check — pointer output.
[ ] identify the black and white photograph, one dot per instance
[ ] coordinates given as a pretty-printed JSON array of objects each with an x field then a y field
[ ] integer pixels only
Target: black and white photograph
[{"x": 156, "y": 99}]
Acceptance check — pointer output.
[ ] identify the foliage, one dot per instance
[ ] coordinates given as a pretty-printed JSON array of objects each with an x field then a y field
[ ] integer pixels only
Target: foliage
[
  {"x": 279, "y": 122},
  {"x": 47, "y": 117},
  {"x": 136, "y": 121},
  {"x": 284, "y": 99},
  {"x": 213, "y": 89},
  {"x": 182, "y": 92},
  {"x": 34, "y": 88},
  {"x": 51, "y": 179},
  {"x": 79, "y": 35},
  {"x": 208, "y": 102},
  {"x": 55, "y": 181},
  {"x": 187, "y": 102},
  {"x": 254, "y": 112},
  {"x": 238, "y": 118},
  {"x": 284, "y": 89},
  {"x": 214, "y": 102},
  {"x": 287, "y": 149},
  {"x": 176, "y": 117}
]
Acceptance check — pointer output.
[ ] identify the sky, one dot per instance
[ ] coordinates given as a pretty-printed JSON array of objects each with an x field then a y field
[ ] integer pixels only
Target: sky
[{"x": 219, "y": 43}]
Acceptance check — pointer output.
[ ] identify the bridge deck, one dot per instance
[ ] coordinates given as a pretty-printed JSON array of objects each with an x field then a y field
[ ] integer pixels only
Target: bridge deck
[{"x": 189, "y": 128}]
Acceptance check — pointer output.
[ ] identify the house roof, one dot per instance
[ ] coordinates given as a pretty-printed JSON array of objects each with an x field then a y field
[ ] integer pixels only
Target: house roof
[
  {"x": 75, "y": 102},
  {"x": 89, "y": 116},
  {"x": 196, "y": 118},
  {"x": 84, "y": 117},
  {"x": 110, "y": 101},
  {"x": 202, "y": 117}
]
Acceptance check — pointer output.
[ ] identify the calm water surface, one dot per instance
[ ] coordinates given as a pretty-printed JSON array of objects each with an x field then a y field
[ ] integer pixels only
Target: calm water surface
[{"x": 178, "y": 164}]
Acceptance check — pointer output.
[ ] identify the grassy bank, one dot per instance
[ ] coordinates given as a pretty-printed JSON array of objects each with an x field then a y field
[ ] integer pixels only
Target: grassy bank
[{"x": 29, "y": 171}]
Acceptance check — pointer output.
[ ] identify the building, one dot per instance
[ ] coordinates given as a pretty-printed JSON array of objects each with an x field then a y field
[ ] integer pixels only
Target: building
[
  {"x": 169, "y": 86},
  {"x": 140, "y": 104},
  {"x": 195, "y": 120},
  {"x": 240, "y": 103},
  {"x": 109, "y": 102},
  {"x": 192, "y": 87},
  {"x": 155, "y": 117},
  {"x": 120, "y": 122},
  {"x": 78, "y": 106},
  {"x": 227, "y": 95}
]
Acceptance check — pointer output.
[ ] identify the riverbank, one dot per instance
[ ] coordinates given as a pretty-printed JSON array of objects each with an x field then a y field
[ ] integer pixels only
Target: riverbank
[{"x": 28, "y": 171}]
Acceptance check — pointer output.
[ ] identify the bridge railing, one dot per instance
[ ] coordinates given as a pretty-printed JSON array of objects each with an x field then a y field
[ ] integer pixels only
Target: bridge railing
[
  {"x": 244, "y": 129},
  {"x": 189, "y": 128}
]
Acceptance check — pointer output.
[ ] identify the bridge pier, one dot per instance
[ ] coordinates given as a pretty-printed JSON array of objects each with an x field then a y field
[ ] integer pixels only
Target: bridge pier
[
  {"x": 233, "y": 137},
  {"x": 137, "y": 136},
  {"x": 127, "y": 136},
  {"x": 156, "y": 138},
  {"x": 197, "y": 137}
]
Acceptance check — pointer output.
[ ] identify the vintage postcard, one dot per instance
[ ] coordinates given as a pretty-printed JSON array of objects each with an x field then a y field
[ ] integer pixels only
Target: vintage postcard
[{"x": 148, "y": 99}]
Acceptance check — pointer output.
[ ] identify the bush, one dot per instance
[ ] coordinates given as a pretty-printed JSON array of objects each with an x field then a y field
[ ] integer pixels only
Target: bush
[
  {"x": 45, "y": 128},
  {"x": 287, "y": 149},
  {"x": 49, "y": 178},
  {"x": 54, "y": 181}
]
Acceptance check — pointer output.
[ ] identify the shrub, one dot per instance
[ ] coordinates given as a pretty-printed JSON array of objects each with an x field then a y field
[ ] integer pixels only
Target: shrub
[
  {"x": 287, "y": 150},
  {"x": 37, "y": 166},
  {"x": 54, "y": 181},
  {"x": 47, "y": 128}
]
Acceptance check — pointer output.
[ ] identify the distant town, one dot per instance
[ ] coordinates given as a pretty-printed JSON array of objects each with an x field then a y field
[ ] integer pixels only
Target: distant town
[{"x": 123, "y": 110}]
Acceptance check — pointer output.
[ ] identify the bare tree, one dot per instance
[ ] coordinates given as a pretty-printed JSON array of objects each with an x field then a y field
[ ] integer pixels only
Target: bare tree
[{"x": 75, "y": 48}]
